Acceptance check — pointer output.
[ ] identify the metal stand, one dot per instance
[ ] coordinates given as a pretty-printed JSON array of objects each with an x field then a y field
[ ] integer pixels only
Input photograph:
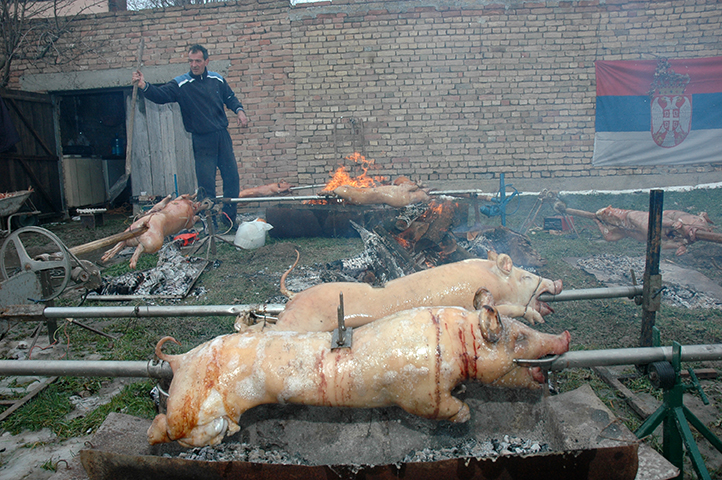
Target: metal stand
[
  {"x": 500, "y": 201},
  {"x": 676, "y": 417}
]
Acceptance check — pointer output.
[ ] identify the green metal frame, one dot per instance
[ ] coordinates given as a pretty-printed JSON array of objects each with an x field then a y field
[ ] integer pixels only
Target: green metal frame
[{"x": 676, "y": 419}]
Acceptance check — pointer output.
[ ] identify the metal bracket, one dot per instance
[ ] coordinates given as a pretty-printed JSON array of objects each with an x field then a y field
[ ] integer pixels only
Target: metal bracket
[
  {"x": 342, "y": 336},
  {"x": 651, "y": 296}
]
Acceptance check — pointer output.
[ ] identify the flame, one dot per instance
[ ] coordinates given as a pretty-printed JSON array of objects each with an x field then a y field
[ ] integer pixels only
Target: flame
[{"x": 342, "y": 177}]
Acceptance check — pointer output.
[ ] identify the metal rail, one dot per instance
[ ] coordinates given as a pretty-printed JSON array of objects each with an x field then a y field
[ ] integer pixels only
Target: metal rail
[
  {"x": 86, "y": 368},
  {"x": 592, "y": 293},
  {"x": 622, "y": 356},
  {"x": 162, "y": 370},
  {"x": 35, "y": 312},
  {"x": 294, "y": 198}
]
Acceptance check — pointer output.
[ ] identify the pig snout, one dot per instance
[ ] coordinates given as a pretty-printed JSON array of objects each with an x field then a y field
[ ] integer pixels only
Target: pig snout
[
  {"x": 559, "y": 346},
  {"x": 542, "y": 307}
]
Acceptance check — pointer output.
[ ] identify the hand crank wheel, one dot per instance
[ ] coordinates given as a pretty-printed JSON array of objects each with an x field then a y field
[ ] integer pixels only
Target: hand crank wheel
[{"x": 56, "y": 269}]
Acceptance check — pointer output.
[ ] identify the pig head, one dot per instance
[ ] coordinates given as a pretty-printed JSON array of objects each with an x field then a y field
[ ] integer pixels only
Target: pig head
[
  {"x": 454, "y": 284},
  {"x": 412, "y": 359},
  {"x": 165, "y": 218}
]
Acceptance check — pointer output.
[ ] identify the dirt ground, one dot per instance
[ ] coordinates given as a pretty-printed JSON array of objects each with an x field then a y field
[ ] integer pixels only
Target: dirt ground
[{"x": 246, "y": 277}]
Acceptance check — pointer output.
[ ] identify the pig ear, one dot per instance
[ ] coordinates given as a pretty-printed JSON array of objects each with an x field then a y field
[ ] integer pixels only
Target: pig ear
[
  {"x": 504, "y": 263},
  {"x": 491, "y": 255},
  {"x": 483, "y": 297},
  {"x": 490, "y": 324}
]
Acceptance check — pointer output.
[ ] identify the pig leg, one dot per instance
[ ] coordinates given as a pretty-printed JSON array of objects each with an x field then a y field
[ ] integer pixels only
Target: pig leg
[
  {"x": 484, "y": 297},
  {"x": 136, "y": 255},
  {"x": 454, "y": 410},
  {"x": 158, "y": 430},
  {"x": 211, "y": 433},
  {"x": 113, "y": 251}
]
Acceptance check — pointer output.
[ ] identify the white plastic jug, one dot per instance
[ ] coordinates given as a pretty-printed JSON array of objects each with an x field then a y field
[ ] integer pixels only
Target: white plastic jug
[{"x": 252, "y": 235}]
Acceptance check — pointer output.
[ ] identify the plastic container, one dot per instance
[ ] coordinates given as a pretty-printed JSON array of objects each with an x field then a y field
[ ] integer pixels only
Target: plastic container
[{"x": 252, "y": 235}]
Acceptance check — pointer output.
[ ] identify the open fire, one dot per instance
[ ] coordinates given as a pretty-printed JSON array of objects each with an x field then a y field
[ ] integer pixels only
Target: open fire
[{"x": 343, "y": 177}]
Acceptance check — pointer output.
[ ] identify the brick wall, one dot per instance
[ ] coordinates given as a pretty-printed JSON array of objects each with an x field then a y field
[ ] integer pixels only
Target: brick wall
[{"x": 449, "y": 93}]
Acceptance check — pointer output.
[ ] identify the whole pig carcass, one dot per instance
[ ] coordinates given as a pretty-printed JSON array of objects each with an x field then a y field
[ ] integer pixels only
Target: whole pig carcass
[
  {"x": 268, "y": 190},
  {"x": 413, "y": 359},
  {"x": 397, "y": 196},
  {"x": 165, "y": 218},
  {"x": 679, "y": 229},
  {"x": 453, "y": 284}
]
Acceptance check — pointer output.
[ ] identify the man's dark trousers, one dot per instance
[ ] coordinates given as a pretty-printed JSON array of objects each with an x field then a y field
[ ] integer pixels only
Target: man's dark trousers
[{"x": 215, "y": 150}]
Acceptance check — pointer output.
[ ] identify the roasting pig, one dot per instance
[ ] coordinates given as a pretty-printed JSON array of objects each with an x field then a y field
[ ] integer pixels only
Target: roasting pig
[
  {"x": 167, "y": 217},
  {"x": 453, "y": 284},
  {"x": 397, "y": 196},
  {"x": 413, "y": 359},
  {"x": 268, "y": 190},
  {"x": 679, "y": 229}
]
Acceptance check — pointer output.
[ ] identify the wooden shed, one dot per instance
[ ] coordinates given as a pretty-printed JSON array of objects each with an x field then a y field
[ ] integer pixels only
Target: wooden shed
[{"x": 35, "y": 160}]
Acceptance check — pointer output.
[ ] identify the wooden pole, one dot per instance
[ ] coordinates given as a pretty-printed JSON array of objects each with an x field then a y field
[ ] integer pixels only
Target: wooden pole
[
  {"x": 107, "y": 241},
  {"x": 651, "y": 292}
]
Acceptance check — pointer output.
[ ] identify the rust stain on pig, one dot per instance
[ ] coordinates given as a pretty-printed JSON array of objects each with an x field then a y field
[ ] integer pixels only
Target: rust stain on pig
[
  {"x": 437, "y": 373},
  {"x": 192, "y": 401},
  {"x": 342, "y": 394}
]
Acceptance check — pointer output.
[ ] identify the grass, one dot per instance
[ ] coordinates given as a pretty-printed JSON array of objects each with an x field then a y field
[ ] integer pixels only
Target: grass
[{"x": 248, "y": 277}]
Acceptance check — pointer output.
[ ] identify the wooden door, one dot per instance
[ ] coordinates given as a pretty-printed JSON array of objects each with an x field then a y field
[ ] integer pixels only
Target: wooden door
[{"x": 35, "y": 161}]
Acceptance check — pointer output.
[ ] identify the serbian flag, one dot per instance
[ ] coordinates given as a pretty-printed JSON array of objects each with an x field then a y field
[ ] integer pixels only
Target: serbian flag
[{"x": 658, "y": 112}]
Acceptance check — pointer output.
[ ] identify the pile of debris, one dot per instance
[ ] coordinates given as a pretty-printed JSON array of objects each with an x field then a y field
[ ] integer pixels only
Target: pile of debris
[
  {"x": 173, "y": 276},
  {"x": 621, "y": 270},
  {"x": 424, "y": 236}
]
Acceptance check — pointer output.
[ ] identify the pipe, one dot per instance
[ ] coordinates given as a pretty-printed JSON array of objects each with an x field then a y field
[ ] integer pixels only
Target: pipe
[
  {"x": 623, "y": 356},
  {"x": 162, "y": 370},
  {"x": 159, "y": 311},
  {"x": 86, "y": 368},
  {"x": 592, "y": 294},
  {"x": 280, "y": 198}
]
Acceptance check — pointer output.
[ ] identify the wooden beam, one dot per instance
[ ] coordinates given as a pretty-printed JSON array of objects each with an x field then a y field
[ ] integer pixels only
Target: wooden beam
[
  {"x": 27, "y": 398},
  {"x": 107, "y": 241}
]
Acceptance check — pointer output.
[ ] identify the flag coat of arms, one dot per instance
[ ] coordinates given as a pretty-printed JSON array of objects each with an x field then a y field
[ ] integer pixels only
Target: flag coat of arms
[{"x": 658, "y": 112}]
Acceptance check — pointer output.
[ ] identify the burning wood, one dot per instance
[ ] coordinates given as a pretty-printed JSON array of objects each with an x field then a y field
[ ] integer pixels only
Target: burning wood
[{"x": 679, "y": 229}]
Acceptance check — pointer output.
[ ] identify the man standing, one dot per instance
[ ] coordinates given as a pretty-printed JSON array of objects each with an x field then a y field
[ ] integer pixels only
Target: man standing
[{"x": 202, "y": 95}]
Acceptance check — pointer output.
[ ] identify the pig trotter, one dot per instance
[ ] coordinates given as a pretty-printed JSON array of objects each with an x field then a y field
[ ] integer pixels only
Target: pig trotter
[{"x": 462, "y": 415}]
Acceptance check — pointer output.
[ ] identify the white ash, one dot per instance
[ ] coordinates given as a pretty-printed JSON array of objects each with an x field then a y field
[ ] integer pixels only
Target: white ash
[
  {"x": 174, "y": 274},
  {"x": 479, "y": 246},
  {"x": 241, "y": 452},
  {"x": 616, "y": 270},
  {"x": 509, "y": 445}
]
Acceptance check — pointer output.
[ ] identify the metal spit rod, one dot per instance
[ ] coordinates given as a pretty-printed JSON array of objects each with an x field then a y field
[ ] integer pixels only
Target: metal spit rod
[
  {"x": 592, "y": 293},
  {"x": 271, "y": 309},
  {"x": 294, "y": 198},
  {"x": 159, "y": 311},
  {"x": 623, "y": 356},
  {"x": 86, "y": 368},
  {"x": 162, "y": 370}
]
